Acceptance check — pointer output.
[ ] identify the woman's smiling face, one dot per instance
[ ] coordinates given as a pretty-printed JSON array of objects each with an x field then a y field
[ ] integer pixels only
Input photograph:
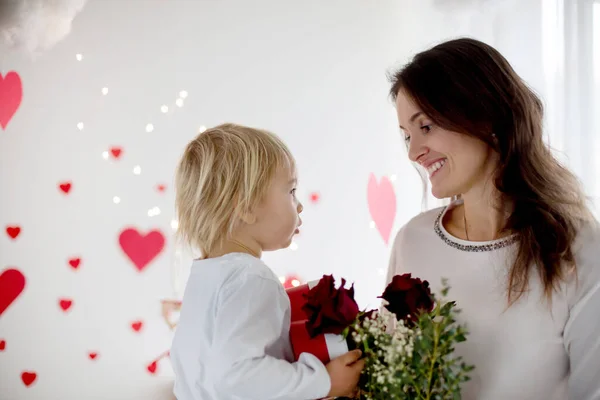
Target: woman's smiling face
[{"x": 455, "y": 162}]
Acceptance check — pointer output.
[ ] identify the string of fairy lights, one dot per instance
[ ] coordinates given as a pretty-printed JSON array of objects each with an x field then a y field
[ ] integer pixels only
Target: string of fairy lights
[{"x": 137, "y": 170}]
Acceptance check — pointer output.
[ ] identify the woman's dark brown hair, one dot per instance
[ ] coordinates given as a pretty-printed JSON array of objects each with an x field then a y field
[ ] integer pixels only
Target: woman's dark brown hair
[{"x": 466, "y": 86}]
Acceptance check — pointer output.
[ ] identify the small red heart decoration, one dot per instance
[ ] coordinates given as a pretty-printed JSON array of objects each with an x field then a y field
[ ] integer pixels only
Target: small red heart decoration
[
  {"x": 292, "y": 281},
  {"x": 74, "y": 262},
  {"x": 116, "y": 152},
  {"x": 92, "y": 355},
  {"x": 65, "y": 304},
  {"x": 137, "y": 325},
  {"x": 152, "y": 367},
  {"x": 314, "y": 197},
  {"x": 28, "y": 377},
  {"x": 13, "y": 231},
  {"x": 65, "y": 187},
  {"x": 161, "y": 188},
  {"x": 12, "y": 283},
  {"x": 2, "y": 345},
  {"x": 141, "y": 249},
  {"x": 11, "y": 94}
]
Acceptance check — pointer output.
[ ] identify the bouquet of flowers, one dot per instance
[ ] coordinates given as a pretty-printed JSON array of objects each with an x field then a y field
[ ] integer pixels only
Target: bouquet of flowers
[{"x": 407, "y": 345}]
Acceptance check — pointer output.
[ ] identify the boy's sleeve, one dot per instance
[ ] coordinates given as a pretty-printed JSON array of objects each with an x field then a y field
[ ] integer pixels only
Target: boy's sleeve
[{"x": 250, "y": 318}]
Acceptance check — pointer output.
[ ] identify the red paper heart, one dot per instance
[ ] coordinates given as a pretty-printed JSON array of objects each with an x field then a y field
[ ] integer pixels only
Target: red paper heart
[
  {"x": 65, "y": 187},
  {"x": 74, "y": 262},
  {"x": 92, "y": 355},
  {"x": 12, "y": 283},
  {"x": 152, "y": 367},
  {"x": 11, "y": 94},
  {"x": 116, "y": 151},
  {"x": 141, "y": 249},
  {"x": 13, "y": 231},
  {"x": 2, "y": 345},
  {"x": 137, "y": 325},
  {"x": 314, "y": 197},
  {"x": 28, "y": 377},
  {"x": 161, "y": 188},
  {"x": 65, "y": 304}
]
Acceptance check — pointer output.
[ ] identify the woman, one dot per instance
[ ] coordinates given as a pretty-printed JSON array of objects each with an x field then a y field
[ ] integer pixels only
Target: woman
[{"x": 518, "y": 244}]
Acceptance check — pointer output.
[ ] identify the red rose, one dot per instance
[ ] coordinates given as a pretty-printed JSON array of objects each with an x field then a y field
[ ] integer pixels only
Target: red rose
[
  {"x": 407, "y": 296},
  {"x": 329, "y": 310}
]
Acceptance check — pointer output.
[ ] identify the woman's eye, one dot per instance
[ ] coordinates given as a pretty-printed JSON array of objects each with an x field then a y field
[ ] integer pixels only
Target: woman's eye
[
  {"x": 426, "y": 128},
  {"x": 406, "y": 139}
]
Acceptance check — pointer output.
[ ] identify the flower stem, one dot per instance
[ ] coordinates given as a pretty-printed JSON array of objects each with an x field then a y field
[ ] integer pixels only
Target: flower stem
[{"x": 433, "y": 359}]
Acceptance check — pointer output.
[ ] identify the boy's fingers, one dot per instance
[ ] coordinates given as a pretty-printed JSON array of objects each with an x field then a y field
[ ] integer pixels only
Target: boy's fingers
[{"x": 352, "y": 356}]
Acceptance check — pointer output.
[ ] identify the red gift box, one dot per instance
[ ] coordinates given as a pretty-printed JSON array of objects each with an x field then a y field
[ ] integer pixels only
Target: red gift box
[
  {"x": 326, "y": 346},
  {"x": 296, "y": 295}
]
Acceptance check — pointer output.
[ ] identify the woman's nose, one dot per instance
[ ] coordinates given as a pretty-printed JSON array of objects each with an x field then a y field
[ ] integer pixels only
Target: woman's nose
[{"x": 416, "y": 148}]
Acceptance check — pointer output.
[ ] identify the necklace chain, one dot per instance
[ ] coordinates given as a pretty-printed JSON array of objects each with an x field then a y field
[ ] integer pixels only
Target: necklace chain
[
  {"x": 465, "y": 222},
  {"x": 248, "y": 249}
]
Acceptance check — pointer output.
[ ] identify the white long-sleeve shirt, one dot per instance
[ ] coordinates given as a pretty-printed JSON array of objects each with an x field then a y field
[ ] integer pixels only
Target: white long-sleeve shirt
[
  {"x": 232, "y": 338},
  {"x": 530, "y": 351}
]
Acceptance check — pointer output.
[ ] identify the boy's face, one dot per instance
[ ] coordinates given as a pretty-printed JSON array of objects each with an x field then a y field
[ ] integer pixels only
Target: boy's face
[{"x": 278, "y": 215}]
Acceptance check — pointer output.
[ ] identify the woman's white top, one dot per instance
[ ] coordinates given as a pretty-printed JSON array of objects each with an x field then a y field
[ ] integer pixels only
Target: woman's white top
[
  {"x": 532, "y": 350},
  {"x": 232, "y": 339}
]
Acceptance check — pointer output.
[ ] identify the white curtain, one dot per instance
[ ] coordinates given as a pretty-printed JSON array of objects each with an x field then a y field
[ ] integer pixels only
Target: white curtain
[
  {"x": 596, "y": 106},
  {"x": 571, "y": 69}
]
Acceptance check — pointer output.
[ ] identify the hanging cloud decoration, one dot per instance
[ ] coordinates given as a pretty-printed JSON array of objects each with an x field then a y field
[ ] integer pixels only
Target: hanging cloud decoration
[{"x": 36, "y": 25}]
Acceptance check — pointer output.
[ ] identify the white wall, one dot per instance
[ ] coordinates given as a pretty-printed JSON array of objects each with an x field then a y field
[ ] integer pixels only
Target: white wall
[{"x": 311, "y": 71}]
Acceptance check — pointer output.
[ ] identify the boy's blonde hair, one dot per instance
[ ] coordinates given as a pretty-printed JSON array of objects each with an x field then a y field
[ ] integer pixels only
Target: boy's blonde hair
[{"x": 223, "y": 174}]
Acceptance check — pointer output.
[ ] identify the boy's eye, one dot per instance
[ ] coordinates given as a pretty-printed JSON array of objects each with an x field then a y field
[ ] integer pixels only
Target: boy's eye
[{"x": 293, "y": 191}]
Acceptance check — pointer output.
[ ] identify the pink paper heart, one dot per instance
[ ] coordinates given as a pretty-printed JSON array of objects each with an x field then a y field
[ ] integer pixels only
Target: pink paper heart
[
  {"x": 141, "y": 249},
  {"x": 382, "y": 205},
  {"x": 11, "y": 94}
]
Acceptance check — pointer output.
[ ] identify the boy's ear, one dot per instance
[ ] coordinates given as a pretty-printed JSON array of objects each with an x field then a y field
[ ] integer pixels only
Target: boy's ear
[{"x": 248, "y": 217}]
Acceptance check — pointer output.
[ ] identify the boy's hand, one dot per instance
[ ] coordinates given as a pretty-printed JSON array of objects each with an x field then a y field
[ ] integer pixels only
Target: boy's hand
[{"x": 344, "y": 373}]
